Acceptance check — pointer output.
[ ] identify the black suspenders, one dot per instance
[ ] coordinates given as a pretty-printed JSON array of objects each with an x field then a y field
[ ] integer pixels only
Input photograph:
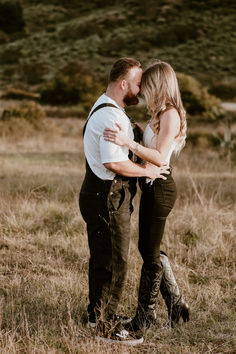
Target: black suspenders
[
  {"x": 96, "y": 109},
  {"x": 137, "y": 136}
]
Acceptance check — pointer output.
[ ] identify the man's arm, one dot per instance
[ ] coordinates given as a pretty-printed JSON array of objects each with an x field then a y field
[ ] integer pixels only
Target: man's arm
[{"x": 130, "y": 169}]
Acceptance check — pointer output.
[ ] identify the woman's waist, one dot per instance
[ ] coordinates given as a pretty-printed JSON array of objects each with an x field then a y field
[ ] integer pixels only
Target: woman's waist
[{"x": 149, "y": 182}]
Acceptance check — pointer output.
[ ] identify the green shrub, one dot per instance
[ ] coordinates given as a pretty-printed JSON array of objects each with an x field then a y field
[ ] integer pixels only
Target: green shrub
[
  {"x": 11, "y": 17},
  {"x": 224, "y": 90},
  {"x": 73, "y": 31},
  {"x": 203, "y": 140},
  {"x": 197, "y": 100},
  {"x": 10, "y": 55},
  {"x": 22, "y": 120},
  {"x": 75, "y": 84},
  {"x": 3, "y": 37},
  {"x": 78, "y": 3},
  {"x": 61, "y": 90},
  {"x": 30, "y": 111},
  {"x": 44, "y": 16},
  {"x": 176, "y": 34},
  {"x": 8, "y": 72},
  {"x": 33, "y": 72},
  {"x": 99, "y": 25}
]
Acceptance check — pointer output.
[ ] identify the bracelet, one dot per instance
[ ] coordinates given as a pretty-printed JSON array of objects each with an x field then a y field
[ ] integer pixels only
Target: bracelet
[{"x": 136, "y": 148}]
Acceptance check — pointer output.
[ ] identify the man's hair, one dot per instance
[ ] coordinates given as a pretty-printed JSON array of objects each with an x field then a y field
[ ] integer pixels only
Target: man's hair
[{"x": 121, "y": 67}]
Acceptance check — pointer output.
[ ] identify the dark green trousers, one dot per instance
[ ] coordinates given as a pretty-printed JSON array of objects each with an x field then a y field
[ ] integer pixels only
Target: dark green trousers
[{"x": 106, "y": 207}]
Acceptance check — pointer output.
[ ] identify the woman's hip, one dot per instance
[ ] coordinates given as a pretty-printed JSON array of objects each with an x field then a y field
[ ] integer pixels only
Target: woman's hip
[{"x": 159, "y": 194}]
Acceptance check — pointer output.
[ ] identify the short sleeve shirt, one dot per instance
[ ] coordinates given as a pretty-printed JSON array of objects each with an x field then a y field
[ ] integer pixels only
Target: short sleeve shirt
[{"x": 97, "y": 150}]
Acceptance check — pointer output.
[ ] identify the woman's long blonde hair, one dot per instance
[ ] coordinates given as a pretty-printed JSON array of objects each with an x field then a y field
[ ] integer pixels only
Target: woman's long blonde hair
[{"x": 161, "y": 91}]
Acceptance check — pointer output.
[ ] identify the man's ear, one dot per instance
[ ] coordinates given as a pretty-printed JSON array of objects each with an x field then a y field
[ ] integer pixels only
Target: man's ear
[{"x": 123, "y": 84}]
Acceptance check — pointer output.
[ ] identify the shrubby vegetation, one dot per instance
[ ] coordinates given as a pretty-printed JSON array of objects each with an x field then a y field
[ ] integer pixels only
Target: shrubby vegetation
[
  {"x": 11, "y": 16},
  {"x": 33, "y": 72},
  {"x": 197, "y": 100},
  {"x": 75, "y": 84},
  {"x": 29, "y": 111},
  {"x": 22, "y": 119},
  {"x": 10, "y": 56},
  {"x": 226, "y": 90},
  {"x": 184, "y": 33},
  {"x": 65, "y": 56},
  {"x": 3, "y": 37}
]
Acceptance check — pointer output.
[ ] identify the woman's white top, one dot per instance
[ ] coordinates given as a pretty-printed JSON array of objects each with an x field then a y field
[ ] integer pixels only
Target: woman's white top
[{"x": 150, "y": 141}]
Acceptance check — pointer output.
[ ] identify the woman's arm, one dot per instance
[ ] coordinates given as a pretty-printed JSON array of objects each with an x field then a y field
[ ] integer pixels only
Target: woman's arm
[{"x": 169, "y": 128}]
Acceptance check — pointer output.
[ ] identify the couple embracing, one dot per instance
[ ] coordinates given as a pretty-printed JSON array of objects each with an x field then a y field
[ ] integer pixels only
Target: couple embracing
[{"x": 109, "y": 187}]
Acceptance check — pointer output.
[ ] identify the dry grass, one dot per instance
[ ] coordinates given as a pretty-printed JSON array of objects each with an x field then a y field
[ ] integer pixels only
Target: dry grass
[{"x": 44, "y": 253}]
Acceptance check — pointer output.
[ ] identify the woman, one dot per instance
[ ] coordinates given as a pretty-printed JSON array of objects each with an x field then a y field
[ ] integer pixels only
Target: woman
[{"x": 165, "y": 134}]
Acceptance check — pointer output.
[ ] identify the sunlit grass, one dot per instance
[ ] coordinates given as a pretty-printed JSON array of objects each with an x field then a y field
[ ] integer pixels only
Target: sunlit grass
[{"x": 44, "y": 252}]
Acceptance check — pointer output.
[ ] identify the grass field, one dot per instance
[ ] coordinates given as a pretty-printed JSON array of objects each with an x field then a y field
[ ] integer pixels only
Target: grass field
[{"x": 44, "y": 252}]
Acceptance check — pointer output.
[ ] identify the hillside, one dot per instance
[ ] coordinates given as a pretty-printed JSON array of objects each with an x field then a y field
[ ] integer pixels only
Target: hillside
[{"x": 196, "y": 37}]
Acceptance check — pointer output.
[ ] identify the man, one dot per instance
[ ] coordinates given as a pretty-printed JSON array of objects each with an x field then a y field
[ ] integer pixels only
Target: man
[{"x": 107, "y": 192}]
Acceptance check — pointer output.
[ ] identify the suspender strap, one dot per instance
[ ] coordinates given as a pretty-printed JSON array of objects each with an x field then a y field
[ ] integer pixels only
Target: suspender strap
[
  {"x": 96, "y": 109},
  {"x": 137, "y": 136}
]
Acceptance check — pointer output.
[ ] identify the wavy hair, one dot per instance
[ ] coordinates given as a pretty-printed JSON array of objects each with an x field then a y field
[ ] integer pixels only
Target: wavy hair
[{"x": 161, "y": 91}]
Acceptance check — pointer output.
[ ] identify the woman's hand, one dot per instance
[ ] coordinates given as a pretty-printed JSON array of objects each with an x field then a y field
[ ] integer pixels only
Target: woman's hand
[{"x": 116, "y": 136}]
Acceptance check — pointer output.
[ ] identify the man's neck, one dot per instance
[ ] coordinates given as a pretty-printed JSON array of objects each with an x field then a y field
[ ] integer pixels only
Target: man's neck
[{"x": 111, "y": 92}]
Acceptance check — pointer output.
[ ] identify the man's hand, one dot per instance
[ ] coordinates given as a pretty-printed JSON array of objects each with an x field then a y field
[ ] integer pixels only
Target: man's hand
[{"x": 154, "y": 171}]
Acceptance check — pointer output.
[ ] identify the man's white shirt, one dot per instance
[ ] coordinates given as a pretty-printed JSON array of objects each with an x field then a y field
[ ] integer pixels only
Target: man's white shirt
[{"x": 97, "y": 150}]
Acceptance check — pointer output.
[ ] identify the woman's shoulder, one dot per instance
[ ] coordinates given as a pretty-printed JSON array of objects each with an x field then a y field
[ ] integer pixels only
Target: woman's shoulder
[
  {"x": 170, "y": 111},
  {"x": 171, "y": 114},
  {"x": 170, "y": 120}
]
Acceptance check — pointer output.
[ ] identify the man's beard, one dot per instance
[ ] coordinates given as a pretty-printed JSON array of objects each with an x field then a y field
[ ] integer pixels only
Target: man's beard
[{"x": 130, "y": 99}]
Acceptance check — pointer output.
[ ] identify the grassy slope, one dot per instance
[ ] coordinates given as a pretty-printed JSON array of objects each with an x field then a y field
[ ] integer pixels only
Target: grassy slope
[
  {"x": 196, "y": 37},
  {"x": 44, "y": 252}
]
